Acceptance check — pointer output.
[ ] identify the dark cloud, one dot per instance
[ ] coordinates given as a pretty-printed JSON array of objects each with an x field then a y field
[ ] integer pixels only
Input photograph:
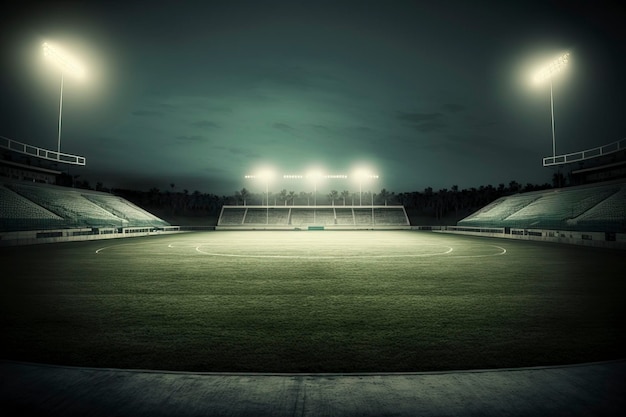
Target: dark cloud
[
  {"x": 190, "y": 139},
  {"x": 204, "y": 124},
  {"x": 147, "y": 113},
  {"x": 283, "y": 126},
  {"x": 361, "y": 129},
  {"x": 419, "y": 117},
  {"x": 452, "y": 107},
  {"x": 247, "y": 153},
  {"x": 424, "y": 122},
  {"x": 429, "y": 127}
]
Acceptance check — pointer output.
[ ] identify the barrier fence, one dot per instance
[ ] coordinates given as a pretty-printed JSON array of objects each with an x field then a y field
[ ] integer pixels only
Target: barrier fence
[
  {"x": 597, "y": 239},
  {"x": 71, "y": 235}
]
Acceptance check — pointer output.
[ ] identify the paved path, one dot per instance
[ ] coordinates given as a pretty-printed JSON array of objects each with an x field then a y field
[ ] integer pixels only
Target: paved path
[{"x": 581, "y": 390}]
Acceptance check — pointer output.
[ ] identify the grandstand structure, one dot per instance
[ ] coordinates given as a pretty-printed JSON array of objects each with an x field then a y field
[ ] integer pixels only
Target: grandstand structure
[
  {"x": 593, "y": 208},
  {"x": 38, "y": 204},
  {"x": 591, "y": 211},
  {"x": 312, "y": 217},
  {"x": 37, "y": 213}
]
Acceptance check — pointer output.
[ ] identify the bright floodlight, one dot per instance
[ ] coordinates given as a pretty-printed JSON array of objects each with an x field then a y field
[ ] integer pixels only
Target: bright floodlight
[
  {"x": 316, "y": 175},
  {"x": 265, "y": 175},
  {"x": 546, "y": 73},
  {"x": 63, "y": 60},
  {"x": 67, "y": 64},
  {"x": 362, "y": 175},
  {"x": 552, "y": 68}
]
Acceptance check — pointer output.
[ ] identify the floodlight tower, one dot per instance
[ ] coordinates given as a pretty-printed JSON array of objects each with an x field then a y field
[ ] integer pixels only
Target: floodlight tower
[
  {"x": 315, "y": 176},
  {"x": 265, "y": 175},
  {"x": 548, "y": 72},
  {"x": 361, "y": 176},
  {"x": 67, "y": 65}
]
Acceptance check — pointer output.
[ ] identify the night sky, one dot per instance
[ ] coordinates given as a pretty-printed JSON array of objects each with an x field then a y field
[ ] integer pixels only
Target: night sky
[{"x": 199, "y": 94}]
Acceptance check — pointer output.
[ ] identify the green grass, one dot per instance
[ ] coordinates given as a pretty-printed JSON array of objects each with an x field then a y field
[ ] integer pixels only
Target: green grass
[{"x": 334, "y": 302}]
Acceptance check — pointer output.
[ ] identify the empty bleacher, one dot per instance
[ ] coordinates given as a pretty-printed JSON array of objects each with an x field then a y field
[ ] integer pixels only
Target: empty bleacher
[
  {"x": 269, "y": 215},
  {"x": 69, "y": 204},
  {"x": 390, "y": 216},
  {"x": 302, "y": 216},
  {"x": 125, "y": 209},
  {"x": 345, "y": 216},
  {"x": 233, "y": 217},
  {"x": 325, "y": 216},
  {"x": 18, "y": 213},
  {"x": 597, "y": 207},
  {"x": 31, "y": 206},
  {"x": 499, "y": 209},
  {"x": 318, "y": 216},
  {"x": 609, "y": 214},
  {"x": 363, "y": 216}
]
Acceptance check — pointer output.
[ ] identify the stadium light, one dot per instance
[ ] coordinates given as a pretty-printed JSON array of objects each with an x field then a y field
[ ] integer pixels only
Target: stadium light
[
  {"x": 362, "y": 175},
  {"x": 67, "y": 65},
  {"x": 265, "y": 175},
  {"x": 315, "y": 176},
  {"x": 548, "y": 72}
]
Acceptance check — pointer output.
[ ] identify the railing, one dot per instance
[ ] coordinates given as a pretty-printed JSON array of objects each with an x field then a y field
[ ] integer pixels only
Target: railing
[
  {"x": 583, "y": 155},
  {"x": 25, "y": 149}
]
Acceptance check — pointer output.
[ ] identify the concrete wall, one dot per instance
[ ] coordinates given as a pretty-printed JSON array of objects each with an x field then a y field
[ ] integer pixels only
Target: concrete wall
[
  {"x": 593, "y": 239},
  {"x": 75, "y": 235}
]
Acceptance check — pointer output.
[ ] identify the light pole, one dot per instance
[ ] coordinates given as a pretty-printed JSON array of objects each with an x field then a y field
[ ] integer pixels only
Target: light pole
[
  {"x": 264, "y": 175},
  {"x": 315, "y": 175},
  {"x": 67, "y": 65},
  {"x": 548, "y": 72},
  {"x": 361, "y": 176}
]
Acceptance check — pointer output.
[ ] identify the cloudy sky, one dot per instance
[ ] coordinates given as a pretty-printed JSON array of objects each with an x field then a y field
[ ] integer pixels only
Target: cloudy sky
[{"x": 200, "y": 94}]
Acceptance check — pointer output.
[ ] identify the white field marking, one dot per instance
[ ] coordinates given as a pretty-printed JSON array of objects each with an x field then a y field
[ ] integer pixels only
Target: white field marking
[
  {"x": 122, "y": 244},
  {"x": 232, "y": 255},
  {"x": 483, "y": 256}
]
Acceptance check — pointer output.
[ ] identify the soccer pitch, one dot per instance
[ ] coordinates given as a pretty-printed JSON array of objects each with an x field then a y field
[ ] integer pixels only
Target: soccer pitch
[{"x": 311, "y": 301}]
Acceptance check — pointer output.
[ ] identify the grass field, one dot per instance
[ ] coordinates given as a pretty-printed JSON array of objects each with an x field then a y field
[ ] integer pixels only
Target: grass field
[{"x": 325, "y": 301}]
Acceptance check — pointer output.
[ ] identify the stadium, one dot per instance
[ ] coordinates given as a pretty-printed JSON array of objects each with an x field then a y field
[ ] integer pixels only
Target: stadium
[
  {"x": 528, "y": 280},
  {"x": 490, "y": 301}
]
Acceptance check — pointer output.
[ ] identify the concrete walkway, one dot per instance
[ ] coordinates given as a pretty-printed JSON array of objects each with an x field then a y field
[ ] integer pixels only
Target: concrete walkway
[{"x": 580, "y": 390}]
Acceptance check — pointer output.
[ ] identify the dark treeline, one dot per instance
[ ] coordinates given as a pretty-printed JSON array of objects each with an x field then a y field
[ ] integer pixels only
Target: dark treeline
[{"x": 436, "y": 204}]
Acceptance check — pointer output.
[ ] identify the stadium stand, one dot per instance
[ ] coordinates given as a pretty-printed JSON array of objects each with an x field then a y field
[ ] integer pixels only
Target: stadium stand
[
  {"x": 301, "y": 217},
  {"x": 19, "y": 213},
  {"x": 345, "y": 216},
  {"x": 595, "y": 207},
  {"x": 69, "y": 204},
  {"x": 610, "y": 214},
  {"x": 307, "y": 216},
  {"x": 389, "y": 216},
  {"x": 325, "y": 217},
  {"x": 32, "y": 206},
  {"x": 233, "y": 217},
  {"x": 267, "y": 216},
  {"x": 363, "y": 216},
  {"x": 124, "y": 209}
]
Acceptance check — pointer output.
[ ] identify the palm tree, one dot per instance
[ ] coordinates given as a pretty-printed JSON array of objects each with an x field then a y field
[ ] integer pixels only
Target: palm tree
[
  {"x": 283, "y": 196},
  {"x": 514, "y": 187},
  {"x": 306, "y": 196},
  {"x": 332, "y": 196},
  {"x": 345, "y": 194},
  {"x": 244, "y": 194},
  {"x": 291, "y": 196},
  {"x": 384, "y": 194}
]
